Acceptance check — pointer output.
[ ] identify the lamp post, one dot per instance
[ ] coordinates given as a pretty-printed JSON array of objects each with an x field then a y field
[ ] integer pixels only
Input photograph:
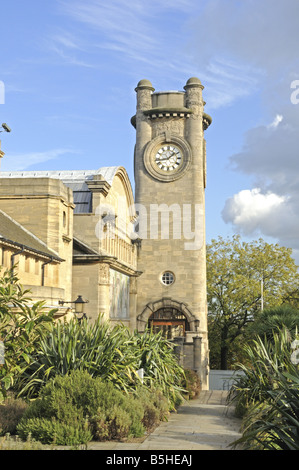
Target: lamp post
[{"x": 79, "y": 306}]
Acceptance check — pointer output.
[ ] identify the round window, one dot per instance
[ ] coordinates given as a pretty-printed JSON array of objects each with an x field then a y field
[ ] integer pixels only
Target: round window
[{"x": 167, "y": 278}]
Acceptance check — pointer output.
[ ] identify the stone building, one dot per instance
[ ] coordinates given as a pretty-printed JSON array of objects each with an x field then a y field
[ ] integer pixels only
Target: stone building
[{"x": 142, "y": 261}]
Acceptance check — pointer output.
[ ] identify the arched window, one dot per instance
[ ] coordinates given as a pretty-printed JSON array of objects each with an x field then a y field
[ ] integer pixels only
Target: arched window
[{"x": 171, "y": 321}]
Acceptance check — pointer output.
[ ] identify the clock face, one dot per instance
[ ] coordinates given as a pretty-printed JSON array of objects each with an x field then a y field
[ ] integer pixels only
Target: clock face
[{"x": 168, "y": 158}]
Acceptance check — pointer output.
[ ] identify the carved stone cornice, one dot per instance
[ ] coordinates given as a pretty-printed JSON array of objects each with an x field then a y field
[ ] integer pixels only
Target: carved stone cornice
[{"x": 99, "y": 186}]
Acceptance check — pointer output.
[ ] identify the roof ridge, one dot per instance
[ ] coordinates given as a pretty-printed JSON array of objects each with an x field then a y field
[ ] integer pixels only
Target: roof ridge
[{"x": 28, "y": 232}]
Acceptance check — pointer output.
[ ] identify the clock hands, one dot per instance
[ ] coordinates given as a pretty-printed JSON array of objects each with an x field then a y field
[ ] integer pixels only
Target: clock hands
[{"x": 173, "y": 154}]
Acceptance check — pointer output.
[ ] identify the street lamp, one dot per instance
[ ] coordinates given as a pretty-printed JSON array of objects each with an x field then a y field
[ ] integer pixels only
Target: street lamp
[
  {"x": 79, "y": 306},
  {"x": 5, "y": 127}
]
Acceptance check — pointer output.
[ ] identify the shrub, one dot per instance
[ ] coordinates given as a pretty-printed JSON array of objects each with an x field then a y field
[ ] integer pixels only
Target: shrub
[
  {"x": 112, "y": 353},
  {"x": 118, "y": 415},
  {"x": 155, "y": 406},
  {"x": 191, "y": 384},
  {"x": 9, "y": 442},
  {"x": 79, "y": 407},
  {"x": 53, "y": 431},
  {"x": 269, "y": 391},
  {"x": 11, "y": 411}
]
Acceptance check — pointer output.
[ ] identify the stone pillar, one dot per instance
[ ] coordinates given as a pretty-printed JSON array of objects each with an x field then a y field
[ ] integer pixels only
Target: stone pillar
[
  {"x": 144, "y": 92},
  {"x": 179, "y": 349},
  {"x": 104, "y": 291},
  {"x": 197, "y": 354},
  {"x": 133, "y": 303},
  {"x": 194, "y": 127}
]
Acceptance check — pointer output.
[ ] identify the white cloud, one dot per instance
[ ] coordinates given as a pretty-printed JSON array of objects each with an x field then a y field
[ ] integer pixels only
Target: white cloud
[
  {"x": 278, "y": 119},
  {"x": 251, "y": 210},
  {"x": 19, "y": 162},
  {"x": 256, "y": 213}
]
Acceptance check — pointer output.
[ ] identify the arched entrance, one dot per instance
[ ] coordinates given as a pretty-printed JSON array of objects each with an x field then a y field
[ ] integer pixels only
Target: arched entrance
[
  {"x": 172, "y": 317},
  {"x": 171, "y": 321}
]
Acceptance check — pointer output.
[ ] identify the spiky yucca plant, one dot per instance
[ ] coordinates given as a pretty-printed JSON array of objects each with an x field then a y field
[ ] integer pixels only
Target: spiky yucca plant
[
  {"x": 112, "y": 353},
  {"x": 270, "y": 388}
]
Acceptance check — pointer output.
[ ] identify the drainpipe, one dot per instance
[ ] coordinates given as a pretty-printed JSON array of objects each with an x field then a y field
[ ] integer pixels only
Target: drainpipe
[
  {"x": 43, "y": 270},
  {"x": 12, "y": 258}
]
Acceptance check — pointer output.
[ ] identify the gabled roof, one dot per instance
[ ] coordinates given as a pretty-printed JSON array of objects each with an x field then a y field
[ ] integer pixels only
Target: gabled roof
[
  {"x": 15, "y": 234},
  {"x": 81, "y": 248},
  {"x": 74, "y": 179}
]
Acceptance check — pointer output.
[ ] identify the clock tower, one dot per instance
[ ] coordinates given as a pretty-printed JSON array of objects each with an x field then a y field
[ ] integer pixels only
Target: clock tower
[{"x": 170, "y": 181}]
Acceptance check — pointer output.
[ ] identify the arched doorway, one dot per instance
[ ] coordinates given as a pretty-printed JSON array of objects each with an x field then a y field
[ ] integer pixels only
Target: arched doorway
[
  {"x": 169, "y": 312},
  {"x": 171, "y": 321}
]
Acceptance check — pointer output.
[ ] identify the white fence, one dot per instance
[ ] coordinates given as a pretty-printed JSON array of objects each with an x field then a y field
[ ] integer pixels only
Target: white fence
[{"x": 222, "y": 379}]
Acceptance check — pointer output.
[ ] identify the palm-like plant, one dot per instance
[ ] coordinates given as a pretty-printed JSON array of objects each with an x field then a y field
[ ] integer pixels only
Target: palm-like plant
[
  {"x": 96, "y": 348},
  {"x": 112, "y": 353},
  {"x": 270, "y": 389},
  {"x": 160, "y": 365},
  {"x": 283, "y": 316},
  {"x": 22, "y": 326}
]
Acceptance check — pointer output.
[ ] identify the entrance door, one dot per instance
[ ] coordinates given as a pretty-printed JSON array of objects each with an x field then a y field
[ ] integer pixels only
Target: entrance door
[{"x": 170, "y": 321}]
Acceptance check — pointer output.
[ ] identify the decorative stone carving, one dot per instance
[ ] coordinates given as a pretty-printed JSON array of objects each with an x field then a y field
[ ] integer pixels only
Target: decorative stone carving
[
  {"x": 104, "y": 274},
  {"x": 161, "y": 126},
  {"x": 144, "y": 101}
]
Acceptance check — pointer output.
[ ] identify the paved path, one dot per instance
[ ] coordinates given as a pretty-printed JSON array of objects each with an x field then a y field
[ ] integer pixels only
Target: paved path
[{"x": 205, "y": 423}]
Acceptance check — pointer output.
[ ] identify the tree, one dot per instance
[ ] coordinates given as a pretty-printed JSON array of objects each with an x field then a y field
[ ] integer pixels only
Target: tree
[
  {"x": 21, "y": 328},
  {"x": 244, "y": 278},
  {"x": 273, "y": 320}
]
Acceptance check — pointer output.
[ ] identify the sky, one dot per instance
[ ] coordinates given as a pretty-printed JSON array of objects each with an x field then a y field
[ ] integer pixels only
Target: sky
[{"x": 68, "y": 73}]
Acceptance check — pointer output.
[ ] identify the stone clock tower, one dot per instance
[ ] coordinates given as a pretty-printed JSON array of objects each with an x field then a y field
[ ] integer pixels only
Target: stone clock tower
[{"x": 170, "y": 180}]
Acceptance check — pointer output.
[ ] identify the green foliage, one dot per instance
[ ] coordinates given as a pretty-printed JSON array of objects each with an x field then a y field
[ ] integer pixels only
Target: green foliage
[
  {"x": 161, "y": 369},
  {"x": 274, "y": 319},
  {"x": 77, "y": 407},
  {"x": 95, "y": 347},
  {"x": 112, "y": 353},
  {"x": 11, "y": 411},
  {"x": 269, "y": 392},
  {"x": 82, "y": 376},
  {"x": 191, "y": 384},
  {"x": 237, "y": 275},
  {"x": 54, "y": 432},
  {"x": 155, "y": 406},
  {"x": 21, "y": 329},
  {"x": 9, "y": 442}
]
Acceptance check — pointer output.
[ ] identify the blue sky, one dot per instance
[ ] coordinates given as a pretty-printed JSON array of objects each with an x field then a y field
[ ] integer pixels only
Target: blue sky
[{"x": 70, "y": 67}]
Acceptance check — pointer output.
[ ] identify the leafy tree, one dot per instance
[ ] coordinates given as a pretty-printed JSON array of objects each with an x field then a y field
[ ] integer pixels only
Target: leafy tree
[
  {"x": 22, "y": 325},
  {"x": 243, "y": 278}
]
